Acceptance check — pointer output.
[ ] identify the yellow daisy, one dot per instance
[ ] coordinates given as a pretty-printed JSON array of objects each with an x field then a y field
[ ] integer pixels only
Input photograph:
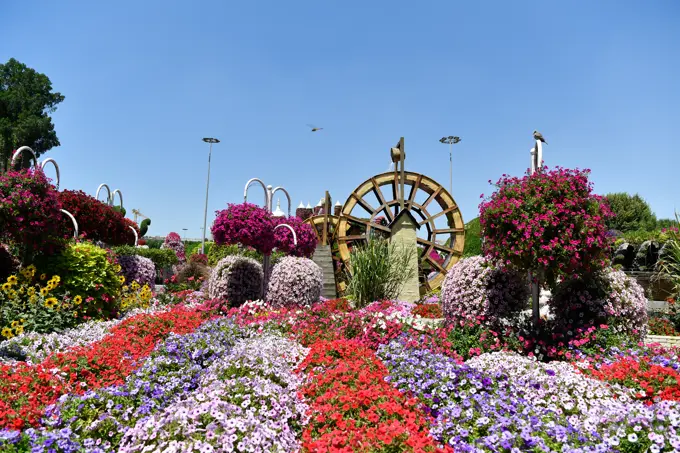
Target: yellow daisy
[
  {"x": 6, "y": 286},
  {"x": 44, "y": 291},
  {"x": 12, "y": 279},
  {"x": 33, "y": 299},
  {"x": 7, "y": 332},
  {"x": 43, "y": 276},
  {"x": 19, "y": 330},
  {"x": 51, "y": 302},
  {"x": 30, "y": 291},
  {"x": 117, "y": 268},
  {"x": 14, "y": 324},
  {"x": 78, "y": 300},
  {"x": 121, "y": 279}
]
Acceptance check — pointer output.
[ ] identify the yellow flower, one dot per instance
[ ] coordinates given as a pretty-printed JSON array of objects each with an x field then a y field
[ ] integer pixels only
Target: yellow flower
[
  {"x": 121, "y": 279},
  {"x": 12, "y": 279},
  {"x": 6, "y": 287},
  {"x": 33, "y": 299},
  {"x": 12, "y": 294},
  {"x": 14, "y": 324},
  {"x": 43, "y": 276},
  {"x": 44, "y": 291},
  {"x": 50, "y": 286},
  {"x": 56, "y": 278},
  {"x": 134, "y": 286},
  {"x": 30, "y": 291},
  {"x": 31, "y": 268},
  {"x": 7, "y": 332},
  {"x": 117, "y": 268},
  {"x": 125, "y": 288},
  {"x": 78, "y": 300},
  {"x": 19, "y": 330},
  {"x": 51, "y": 302}
]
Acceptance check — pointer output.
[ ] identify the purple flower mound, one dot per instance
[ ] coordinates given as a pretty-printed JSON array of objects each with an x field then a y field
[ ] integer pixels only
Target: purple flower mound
[
  {"x": 610, "y": 297},
  {"x": 236, "y": 279},
  {"x": 475, "y": 290},
  {"x": 295, "y": 282},
  {"x": 139, "y": 269}
]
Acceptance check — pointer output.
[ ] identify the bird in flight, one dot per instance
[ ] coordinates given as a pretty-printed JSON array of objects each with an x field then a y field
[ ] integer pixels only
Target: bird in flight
[
  {"x": 314, "y": 128},
  {"x": 539, "y": 136}
]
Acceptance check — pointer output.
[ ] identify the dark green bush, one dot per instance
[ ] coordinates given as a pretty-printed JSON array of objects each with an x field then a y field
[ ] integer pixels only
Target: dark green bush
[
  {"x": 161, "y": 258},
  {"x": 632, "y": 213},
  {"x": 217, "y": 252},
  {"x": 473, "y": 238}
]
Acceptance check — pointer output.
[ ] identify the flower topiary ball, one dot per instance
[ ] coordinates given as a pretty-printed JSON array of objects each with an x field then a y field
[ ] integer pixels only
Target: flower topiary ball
[
  {"x": 608, "y": 297},
  {"x": 139, "y": 269},
  {"x": 294, "y": 282},
  {"x": 236, "y": 279},
  {"x": 475, "y": 290}
]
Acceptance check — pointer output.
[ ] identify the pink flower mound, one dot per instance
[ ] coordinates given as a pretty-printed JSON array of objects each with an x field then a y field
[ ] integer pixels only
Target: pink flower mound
[
  {"x": 609, "y": 297},
  {"x": 29, "y": 210},
  {"x": 245, "y": 224},
  {"x": 474, "y": 290},
  {"x": 548, "y": 222},
  {"x": 306, "y": 237},
  {"x": 294, "y": 282},
  {"x": 174, "y": 242}
]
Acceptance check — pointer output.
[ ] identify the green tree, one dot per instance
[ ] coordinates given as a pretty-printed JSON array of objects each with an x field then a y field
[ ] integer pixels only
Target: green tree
[
  {"x": 473, "y": 238},
  {"x": 632, "y": 213},
  {"x": 26, "y": 102}
]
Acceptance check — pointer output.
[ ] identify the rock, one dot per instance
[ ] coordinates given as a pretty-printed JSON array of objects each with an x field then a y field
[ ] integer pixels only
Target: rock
[
  {"x": 624, "y": 255},
  {"x": 646, "y": 256}
]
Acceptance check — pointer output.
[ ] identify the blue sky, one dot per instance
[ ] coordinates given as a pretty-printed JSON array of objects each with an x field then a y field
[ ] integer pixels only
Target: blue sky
[{"x": 145, "y": 81}]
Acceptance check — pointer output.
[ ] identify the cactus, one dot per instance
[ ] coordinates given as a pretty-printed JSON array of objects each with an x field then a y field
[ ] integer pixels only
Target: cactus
[
  {"x": 294, "y": 282},
  {"x": 236, "y": 279}
]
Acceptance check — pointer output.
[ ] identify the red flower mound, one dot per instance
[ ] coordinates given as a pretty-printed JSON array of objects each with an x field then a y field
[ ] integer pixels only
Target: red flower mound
[
  {"x": 430, "y": 311},
  {"x": 654, "y": 382},
  {"x": 96, "y": 221},
  {"x": 549, "y": 221},
  {"x": 26, "y": 390},
  {"x": 353, "y": 408}
]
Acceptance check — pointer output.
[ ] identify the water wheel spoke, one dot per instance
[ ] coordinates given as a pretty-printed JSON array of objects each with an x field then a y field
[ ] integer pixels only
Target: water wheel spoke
[
  {"x": 363, "y": 203},
  {"x": 368, "y": 223},
  {"x": 414, "y": 190},
  {"x": 439, "y": 214},
  {"x": 355, "y": 237},
  {"x": 381, "y": 198},
  {"x": 434, "y": 263},
  {"x": 432, "y": 196},
  {"x": 449, "y": 230},
  {"x": 435, "y": 245}
]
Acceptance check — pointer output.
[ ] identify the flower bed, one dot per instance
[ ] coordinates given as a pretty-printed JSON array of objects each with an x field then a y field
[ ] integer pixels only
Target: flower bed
[{"x": 26, "y": 390}]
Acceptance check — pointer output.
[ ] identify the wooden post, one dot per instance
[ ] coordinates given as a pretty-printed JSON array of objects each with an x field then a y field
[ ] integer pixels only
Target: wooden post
[
  {"x": 326, "y": 208},
  {"x": 402, "y": 156}
]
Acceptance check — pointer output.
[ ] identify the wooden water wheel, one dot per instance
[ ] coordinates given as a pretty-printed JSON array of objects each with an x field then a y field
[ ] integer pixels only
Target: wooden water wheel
[{"x": 440, "y": 247}]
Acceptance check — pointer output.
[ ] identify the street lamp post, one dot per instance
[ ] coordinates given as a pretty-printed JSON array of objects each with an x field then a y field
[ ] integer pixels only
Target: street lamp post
[
  {"x": 185, "y": 236},
  {"x": 450, "y": 140},
  {"x": 207, "y": 187}
]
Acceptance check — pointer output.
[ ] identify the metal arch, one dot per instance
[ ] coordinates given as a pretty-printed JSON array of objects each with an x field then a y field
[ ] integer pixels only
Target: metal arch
[
  {"x": 56, "y": 167},
  {"x": 19, "y": 151},
  {"x": 75, "y": 224},
  {"x": 113, "y": 197},
  {"x": 135, "y": 232},
  {"x": 287, "y": 196},
  {"x": 266, "y": 192},
  {"x": 290, "y": 228},
  {"x": 108, "y": 191}
]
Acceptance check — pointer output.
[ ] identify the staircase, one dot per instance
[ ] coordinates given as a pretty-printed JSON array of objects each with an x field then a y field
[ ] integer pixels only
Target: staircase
[{"x": 322, "y": 257}]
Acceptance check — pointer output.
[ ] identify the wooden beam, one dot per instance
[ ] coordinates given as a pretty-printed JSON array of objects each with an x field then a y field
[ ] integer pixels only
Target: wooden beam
[
  {"x": 449, "y": 230},
  {"x": 381, "y": 199},
  {"x": 432, "y": 196},
  {"x": 446, "y": 211}
]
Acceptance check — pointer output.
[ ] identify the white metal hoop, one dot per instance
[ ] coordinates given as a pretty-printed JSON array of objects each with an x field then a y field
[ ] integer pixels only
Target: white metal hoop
[
  {"x": 291, "y": 230},
  {"x": 56, "y": 167},
  {"x": 19, "y": 151},
  {"x": 75, "y": 224}
]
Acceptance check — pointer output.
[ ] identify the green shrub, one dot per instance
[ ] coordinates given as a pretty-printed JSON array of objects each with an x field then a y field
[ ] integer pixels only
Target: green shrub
[
  {"x": 669, "y": 263},
  {"x": 379, "y": 271},
  {"x": 90, "y": 272},
  {"x": 217, "y": 252},
  {"x": 161, "y": 258},
  {"x": 473, "y": 238},
  {"x": 631, "y": 213},
  {"x": 154, "y": 243}
]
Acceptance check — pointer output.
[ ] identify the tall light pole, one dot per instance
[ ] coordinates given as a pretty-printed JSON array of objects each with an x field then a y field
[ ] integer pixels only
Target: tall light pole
[
  {"x": 185, "y": 236},
  {"x": 450, "y": 140},
  {"x": 207, "y": 187}
]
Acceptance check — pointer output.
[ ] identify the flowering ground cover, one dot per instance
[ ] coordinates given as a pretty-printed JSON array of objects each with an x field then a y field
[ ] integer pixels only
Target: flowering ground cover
[
  {"x": 332, "y": 378},
  {"x": 26, "y": 390}
]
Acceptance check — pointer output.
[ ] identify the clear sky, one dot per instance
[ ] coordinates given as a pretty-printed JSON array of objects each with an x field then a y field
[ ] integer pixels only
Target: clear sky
[{"x": 145, "y": 80}]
